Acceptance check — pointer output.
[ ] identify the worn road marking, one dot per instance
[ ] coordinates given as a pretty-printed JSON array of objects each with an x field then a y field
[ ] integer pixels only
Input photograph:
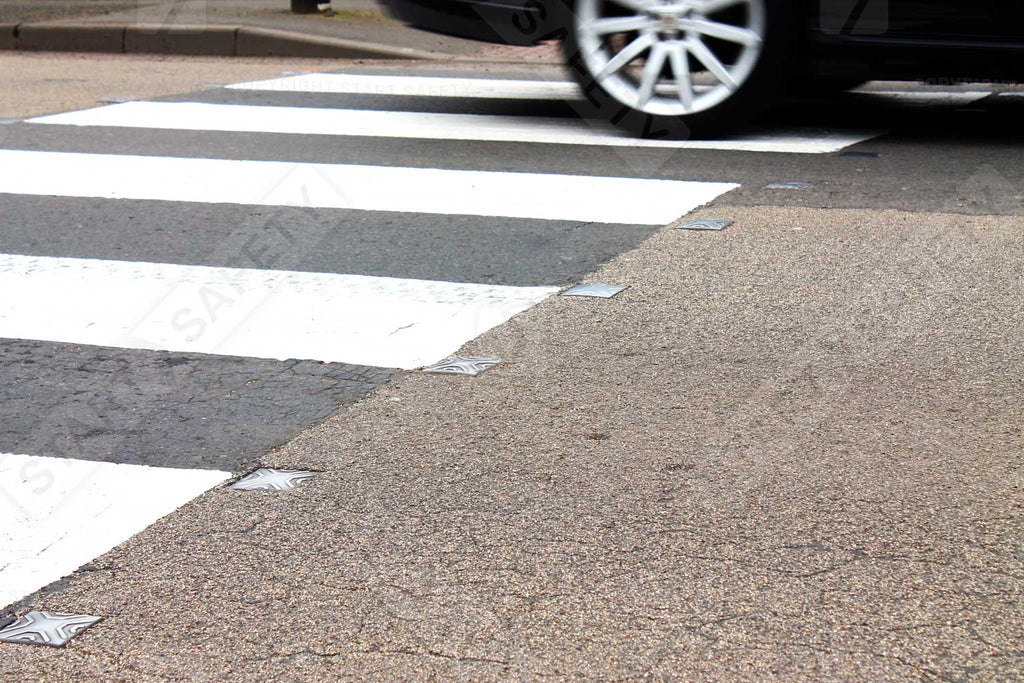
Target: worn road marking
[
  {"x": 359, "y": 319},
  {"x": 927, "y": 98},
  {"x": 417, "y": 86}
]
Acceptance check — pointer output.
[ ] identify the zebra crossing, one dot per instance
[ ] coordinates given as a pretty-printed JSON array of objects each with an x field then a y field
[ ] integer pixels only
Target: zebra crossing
[
  {"x": 238, "y": 117},
  {"x": 165, "y": 319},
  {"x": 383, "y": 322},
  {"x": 424, "y": 125},
  {"x": 60, "y": 513},
  {"x": 344, "y": 186}
]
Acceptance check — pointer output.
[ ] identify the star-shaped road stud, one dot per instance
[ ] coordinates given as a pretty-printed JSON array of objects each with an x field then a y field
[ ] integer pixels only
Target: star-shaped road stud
[
  {"x": 46, "y": 628},
  {"x": 455, "y": 365},
  {"x": 706, "y": 224},
  {"x": 266, "y": 479}
]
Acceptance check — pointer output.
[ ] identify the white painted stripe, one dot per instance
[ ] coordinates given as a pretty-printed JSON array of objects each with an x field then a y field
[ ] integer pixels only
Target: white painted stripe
[
  {"x": 378, "y": 321},
  {"x": 478, "y": 88},
  {"x": 400, "y": 124},
  {"x": 417, "y": 86},
  {"x": 928, "y": 97},
  {"x": 57, "y": 514},
  {"x": 375, "y": 188}
]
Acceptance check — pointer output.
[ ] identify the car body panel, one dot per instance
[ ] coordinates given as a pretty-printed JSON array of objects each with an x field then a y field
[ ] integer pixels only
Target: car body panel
[
  {"x": 853, "y": 38},
  {"x": 917, "y": 38},
  {"x": 510, "y": 22}
]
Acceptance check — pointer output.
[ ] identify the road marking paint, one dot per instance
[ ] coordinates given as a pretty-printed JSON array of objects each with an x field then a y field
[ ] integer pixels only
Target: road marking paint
[
  {"x": 57, "y": 514},
  {"x": 426, "y": 86},
  {"x": 417, "y": 86},
  {"x": 375, "y": 188},
  {"x": 434, "y": 126},
  {"x": 928, "y": 97},
  {"x": 377, "y": 321}
]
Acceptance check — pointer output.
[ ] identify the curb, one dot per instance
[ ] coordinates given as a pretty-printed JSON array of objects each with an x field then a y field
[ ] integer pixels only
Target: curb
[
  {"x": 216, "y": 40},
  {"x": 8, "y": 41}
]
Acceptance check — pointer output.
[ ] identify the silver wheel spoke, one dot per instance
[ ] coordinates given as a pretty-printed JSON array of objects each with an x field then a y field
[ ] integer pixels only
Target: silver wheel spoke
[
  {"x": 681, "y": 70},
  {"x": 628, "y": 54},
  {"x": 708, "y": 59},
  {"x": 620, "y": 25},
  {"x": 652, "y": 71},
  {"x": 733, "y": 34}
]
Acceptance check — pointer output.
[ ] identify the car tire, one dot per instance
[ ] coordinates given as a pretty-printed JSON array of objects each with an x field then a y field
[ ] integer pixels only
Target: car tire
[
  {"x": 756, "y": 34},
  {"x": 305, "y": 6}
]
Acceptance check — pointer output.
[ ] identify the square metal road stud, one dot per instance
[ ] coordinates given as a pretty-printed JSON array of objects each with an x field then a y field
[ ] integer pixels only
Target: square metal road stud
[{"x": 595, "y": 291}]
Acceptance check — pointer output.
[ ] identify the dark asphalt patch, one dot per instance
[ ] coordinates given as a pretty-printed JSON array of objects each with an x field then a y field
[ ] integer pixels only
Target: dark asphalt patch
[
  {"x": 484, "y": 250},
  {"x": 164, "y": 409}
]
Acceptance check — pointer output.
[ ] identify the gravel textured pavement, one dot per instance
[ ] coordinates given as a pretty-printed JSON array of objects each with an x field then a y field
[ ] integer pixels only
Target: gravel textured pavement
[{"x": 789, "y": 451}]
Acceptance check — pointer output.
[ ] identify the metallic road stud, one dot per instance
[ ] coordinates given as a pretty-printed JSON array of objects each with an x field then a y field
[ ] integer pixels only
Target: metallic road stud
[
  {"x": 789, "y": 185},
  {"x": 462, "y": 366},
  {"x": 706, "y": 224},
  {"x": 46, "y": 628},
  {"x": 266, "y": 479},
  {"x": 595, "y": 291}
]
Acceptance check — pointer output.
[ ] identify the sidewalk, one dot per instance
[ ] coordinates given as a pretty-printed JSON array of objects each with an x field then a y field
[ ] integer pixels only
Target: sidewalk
[
  {"x": 788, "y": 452},
  {"x": 351, "y": 29}
]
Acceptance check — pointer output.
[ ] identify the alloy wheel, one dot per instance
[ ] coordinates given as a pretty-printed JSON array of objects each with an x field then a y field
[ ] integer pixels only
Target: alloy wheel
[{"x": 670, "y": 57}]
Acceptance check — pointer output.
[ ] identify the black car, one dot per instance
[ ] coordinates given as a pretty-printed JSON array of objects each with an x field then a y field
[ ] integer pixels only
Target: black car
[{"x": 698, "y": 67}]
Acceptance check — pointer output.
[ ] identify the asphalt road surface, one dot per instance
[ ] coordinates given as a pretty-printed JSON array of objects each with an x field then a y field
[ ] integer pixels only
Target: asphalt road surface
[{"x": 191, "y": 282}]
